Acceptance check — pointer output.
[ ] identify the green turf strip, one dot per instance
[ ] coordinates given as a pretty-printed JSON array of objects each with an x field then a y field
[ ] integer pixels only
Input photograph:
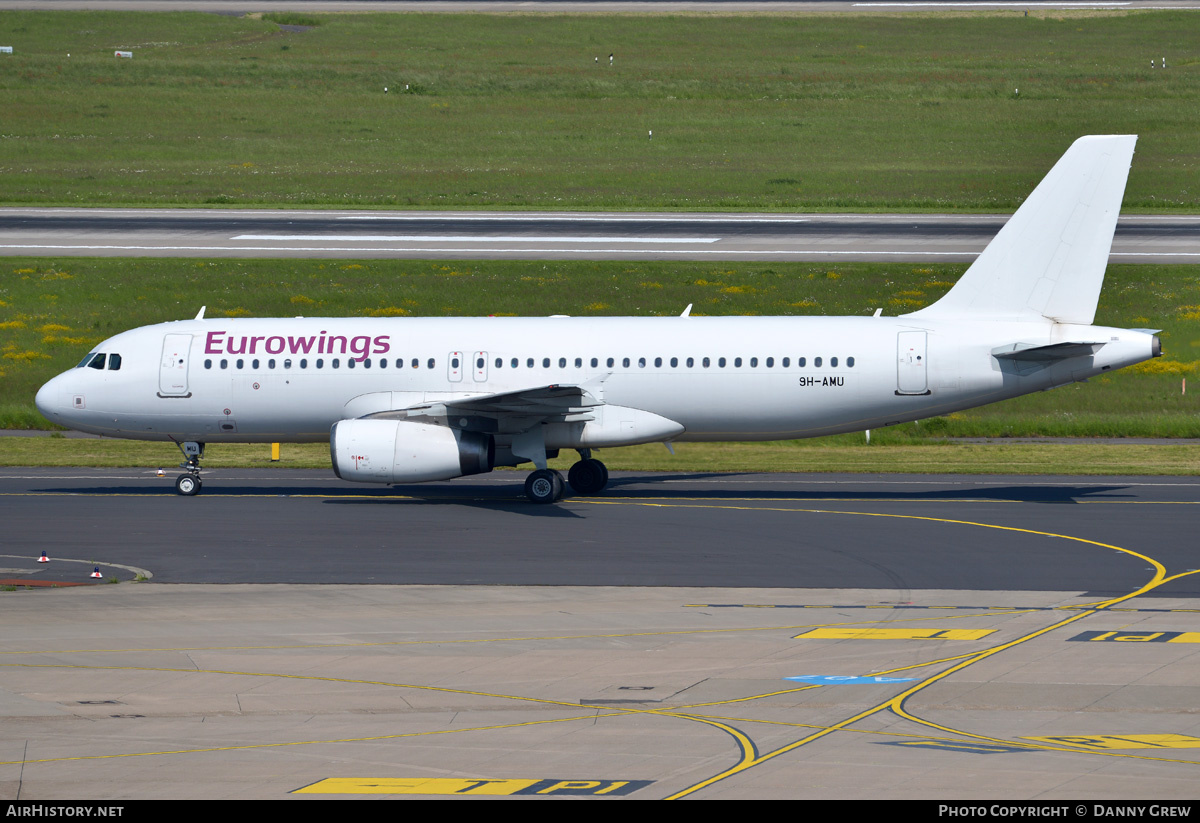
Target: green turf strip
[{"x": 921, "y": 111}]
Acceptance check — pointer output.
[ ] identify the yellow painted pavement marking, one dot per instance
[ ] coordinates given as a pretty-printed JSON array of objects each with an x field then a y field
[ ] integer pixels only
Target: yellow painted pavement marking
[
  {"x": 1123, "y": 741},
  {"x": 400, "y": 785},
  {"x": 494, "y": 787},
  {"x": 895, "y": 634}
]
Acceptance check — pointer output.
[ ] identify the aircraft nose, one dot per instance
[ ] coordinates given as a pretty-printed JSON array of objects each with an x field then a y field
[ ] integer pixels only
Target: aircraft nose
[{"x": 49, "y": 400}]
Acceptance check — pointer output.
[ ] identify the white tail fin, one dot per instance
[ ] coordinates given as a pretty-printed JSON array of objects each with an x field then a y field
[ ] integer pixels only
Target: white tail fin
[{"x": 1049, "y": 259}]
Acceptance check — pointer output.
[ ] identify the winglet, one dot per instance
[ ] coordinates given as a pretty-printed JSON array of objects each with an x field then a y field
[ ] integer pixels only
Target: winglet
[
  {"x": 1049, "y": 259},
  {"x": 200, "y": 314}
]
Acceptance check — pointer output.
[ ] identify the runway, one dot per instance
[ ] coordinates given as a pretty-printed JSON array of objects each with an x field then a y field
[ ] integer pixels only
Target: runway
[
  {"x": 955, "y": 638},
  {"x": 546, "y": 235}
]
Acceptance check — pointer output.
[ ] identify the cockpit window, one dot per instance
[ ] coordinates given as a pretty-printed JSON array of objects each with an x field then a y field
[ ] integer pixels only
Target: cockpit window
[
  {"x": 87, "y": 358},
  {"x": 114, "y": 362},
  {"x": 97, "y": 362}
]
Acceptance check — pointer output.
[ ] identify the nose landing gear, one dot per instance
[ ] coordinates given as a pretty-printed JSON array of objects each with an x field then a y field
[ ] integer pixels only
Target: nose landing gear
[{"x": 188, "y": 484}]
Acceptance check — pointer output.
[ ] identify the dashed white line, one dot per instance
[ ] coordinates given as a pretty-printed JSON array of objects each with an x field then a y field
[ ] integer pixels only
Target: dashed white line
[{"x": 465, "y": 238}]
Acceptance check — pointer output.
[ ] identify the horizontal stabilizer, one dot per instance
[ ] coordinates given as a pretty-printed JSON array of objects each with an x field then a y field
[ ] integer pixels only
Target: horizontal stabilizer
[
  {"x": 1054, "y": 351},
  {"x": 1048, "y": 260}
]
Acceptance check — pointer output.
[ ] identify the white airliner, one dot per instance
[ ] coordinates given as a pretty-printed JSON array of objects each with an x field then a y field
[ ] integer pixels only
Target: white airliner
[{"x": 405, "y": 400}]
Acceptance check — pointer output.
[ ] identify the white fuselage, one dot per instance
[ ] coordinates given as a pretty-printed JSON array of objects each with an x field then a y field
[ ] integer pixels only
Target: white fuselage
[{"x": 718, "y": 378}]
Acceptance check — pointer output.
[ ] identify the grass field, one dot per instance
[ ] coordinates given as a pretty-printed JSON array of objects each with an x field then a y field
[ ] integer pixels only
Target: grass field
[
  {"x": 920, "y": 111},
  {"x": 52, "y": 312}
]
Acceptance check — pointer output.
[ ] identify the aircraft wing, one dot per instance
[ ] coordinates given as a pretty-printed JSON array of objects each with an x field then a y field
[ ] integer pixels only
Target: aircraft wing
[
  {"x": 550, "y": 401},
  {"x": 506, "y": 412}
]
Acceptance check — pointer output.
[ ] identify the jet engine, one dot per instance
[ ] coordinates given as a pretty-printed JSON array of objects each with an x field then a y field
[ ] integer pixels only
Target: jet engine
[{"x": 397, "y": 451}]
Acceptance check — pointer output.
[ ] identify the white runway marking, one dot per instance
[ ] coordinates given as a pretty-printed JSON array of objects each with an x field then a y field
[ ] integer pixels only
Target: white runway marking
[
  {"x": 465, "y": 238},
  {"x": 613, "y": 218}
]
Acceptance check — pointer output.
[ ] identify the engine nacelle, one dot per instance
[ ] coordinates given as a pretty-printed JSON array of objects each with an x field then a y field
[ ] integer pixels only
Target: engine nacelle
[{"x": 396, "y": 451}]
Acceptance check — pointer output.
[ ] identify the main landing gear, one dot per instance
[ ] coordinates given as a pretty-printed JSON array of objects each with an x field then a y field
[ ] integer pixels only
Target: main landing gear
[
  {"x": 587, "y": 477},
  {"x": 188, "y": 484}
]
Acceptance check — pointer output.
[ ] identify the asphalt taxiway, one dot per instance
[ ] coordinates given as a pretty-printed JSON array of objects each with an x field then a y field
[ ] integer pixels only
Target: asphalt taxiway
[
  {"x": 955, "y": 638},
  {"x": 743, "y": 530}
]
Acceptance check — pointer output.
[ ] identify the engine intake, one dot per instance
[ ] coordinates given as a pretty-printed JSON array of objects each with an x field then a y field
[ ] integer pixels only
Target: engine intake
[{"x": 397, "y": 451}]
